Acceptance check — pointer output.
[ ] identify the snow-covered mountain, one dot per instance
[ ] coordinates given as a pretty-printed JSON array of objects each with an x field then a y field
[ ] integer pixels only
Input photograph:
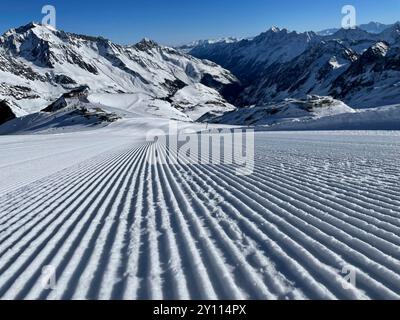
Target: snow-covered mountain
[
  {"x": 313, "y": 71},
  {"x": 71, "y": 112},
  {"x": 189, "y": 46},
  {"x": 39, "y": 63},
  {"x": 312, "y": 113},
  {"x": 373, "y": 79},
  {"x": 356, "y": 39},
  {"x": 280, "y": 64},
  {"x": 248, "y": 58},
  {"x": 286, "y": 111},
  {"x": 372, "y": 27}
]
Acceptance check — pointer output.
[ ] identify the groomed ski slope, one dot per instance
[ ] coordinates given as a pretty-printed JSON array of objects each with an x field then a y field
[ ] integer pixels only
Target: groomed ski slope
[{"x": 114, "y": 226}]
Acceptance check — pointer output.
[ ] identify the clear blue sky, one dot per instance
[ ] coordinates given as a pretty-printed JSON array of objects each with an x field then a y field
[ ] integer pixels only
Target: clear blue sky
[{"x": 180, "y": 21}]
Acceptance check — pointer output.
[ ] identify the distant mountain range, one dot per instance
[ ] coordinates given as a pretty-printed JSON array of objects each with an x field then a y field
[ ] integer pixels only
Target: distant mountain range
[
  {"x": 277, "y": 72},
  {"x": 372, "y": 27},
  {"x": 38, "y": 64},
  {"x": 356, "y": 66},
  {"x": 189, "y": 46}
]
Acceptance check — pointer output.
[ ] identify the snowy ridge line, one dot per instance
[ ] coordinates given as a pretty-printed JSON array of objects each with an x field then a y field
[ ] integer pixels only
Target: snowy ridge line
[
  {"x": 73, "y": 210},
  {"x": 253, "y": 200},
  {"x": 119, "y": 226},
  {"x": 69, "y": 176}
]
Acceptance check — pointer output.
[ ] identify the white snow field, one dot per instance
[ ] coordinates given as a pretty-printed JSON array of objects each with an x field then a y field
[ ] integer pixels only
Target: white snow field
[{"x": 113, "y": 225}]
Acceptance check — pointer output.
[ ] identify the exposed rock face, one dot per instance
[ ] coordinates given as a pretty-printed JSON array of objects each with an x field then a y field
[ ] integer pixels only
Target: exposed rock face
[
  {"x": 80, "y": 93},
  {"x": 6, "y": 113}
]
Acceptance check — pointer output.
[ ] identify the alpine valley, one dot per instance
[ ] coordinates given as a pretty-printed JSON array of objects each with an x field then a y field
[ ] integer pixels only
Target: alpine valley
[{"x": 208, "y": 81}]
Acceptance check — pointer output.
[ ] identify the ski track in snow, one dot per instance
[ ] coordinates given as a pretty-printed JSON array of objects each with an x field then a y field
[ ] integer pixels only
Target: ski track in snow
[{"x": 116, "y": 226}]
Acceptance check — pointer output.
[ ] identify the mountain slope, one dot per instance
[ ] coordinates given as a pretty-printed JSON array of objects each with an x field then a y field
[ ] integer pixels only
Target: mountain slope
[
  {"x": 288, "y": 111},
  {"x": 279, "y": 64},
  {"x": 247, "y": 58},
  {"x": 71, "y": 112},
  {"x": 311, "y": 72},
  {"x": 314, "y": 113},
  {"x": 373, "y": 79},
  {"x": 38, "y": 64}
]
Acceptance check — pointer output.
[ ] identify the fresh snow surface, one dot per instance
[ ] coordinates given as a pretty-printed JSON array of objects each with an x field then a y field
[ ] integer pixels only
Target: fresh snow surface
[
  {"x": 383, "y": 118},
  {"x": 114, "y": 225}
]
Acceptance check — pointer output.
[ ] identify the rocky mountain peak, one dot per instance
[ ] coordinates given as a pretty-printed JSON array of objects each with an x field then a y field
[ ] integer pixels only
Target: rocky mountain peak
[
  {"x": 26, "y": 27},
  {"x": 379, "y": 49},
  {"x": 146, "y": 44},
  {"x": 275, "y": 29}
]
